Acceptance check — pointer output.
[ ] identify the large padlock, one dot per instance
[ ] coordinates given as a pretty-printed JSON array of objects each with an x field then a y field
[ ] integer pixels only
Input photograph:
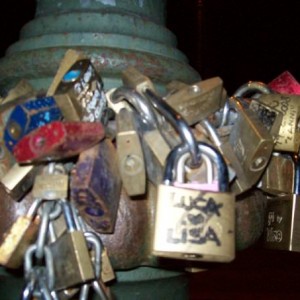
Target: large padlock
[{"x": 195, "y": 224}]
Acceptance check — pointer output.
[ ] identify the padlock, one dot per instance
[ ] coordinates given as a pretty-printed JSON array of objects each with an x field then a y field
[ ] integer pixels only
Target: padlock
[
  {"x": 58, "y": 140},
  {"x": 29, "y": 116},
  {"x": 22, "y": 233},
  {"x": 154, "y": 137},
  {"x": 252, "y": 144},
  {"x": 196, "y": 102},
  {"x": 20, "y": 93},
  {"x": 72, "y": 263},
  {"x": 269, "y": 117},
  {"x": 6, "y": 158},
  {"x": 195, "y": 224},
  {"x": 285, "y": 83},
  {"x": 282, "y": 219},
  {"x": 19, "y": 179},
  {"x": 51, "y": 185},
  {"x": 289, "y": 135},
  {"x": 69, "y": 107},
  {"x": 278, "y": 178},
  {"x": 96, "y": 186},
  {"x": 78, "y": 78},
  {"x": 130, "y": 153}
]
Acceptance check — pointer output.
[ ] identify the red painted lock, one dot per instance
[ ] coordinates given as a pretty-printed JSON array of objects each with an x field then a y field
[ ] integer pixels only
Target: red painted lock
[
  {"x": 58, "y": 140},
  {"x": 285, "y": 83}
]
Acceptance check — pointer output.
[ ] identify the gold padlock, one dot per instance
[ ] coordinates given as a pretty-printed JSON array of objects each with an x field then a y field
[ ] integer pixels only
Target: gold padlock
[
  {"x": 193, "y": 223},
  {"x": 252, "y": 144},
  {"x": 196, "y": 102},
  {"x": 289, "y": 133},
  {"x": 130, "y": 153}
]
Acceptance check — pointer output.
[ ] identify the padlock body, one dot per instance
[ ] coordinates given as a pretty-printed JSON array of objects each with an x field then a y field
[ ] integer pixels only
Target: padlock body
[
  {"x": 72, "y": 263},
  {"x": 278, "y": 178},
  {"x": 22, "y": 233},
  {"x": 96, "y": 186},
  {"x": 28, "y": 116},
  {"x": 282, "y": 229},
  {"x": 194, "y": 225},
  {"x": 289, "y": 135}
]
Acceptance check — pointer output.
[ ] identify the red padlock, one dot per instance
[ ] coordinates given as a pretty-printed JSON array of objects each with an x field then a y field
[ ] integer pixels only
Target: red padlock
[
  {"x": 58, "y": 140},
  {"x": 285, "y": 83}
]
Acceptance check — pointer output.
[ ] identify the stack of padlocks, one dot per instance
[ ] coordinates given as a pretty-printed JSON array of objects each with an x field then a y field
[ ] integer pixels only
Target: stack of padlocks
[{"x": 75, "y": 147}]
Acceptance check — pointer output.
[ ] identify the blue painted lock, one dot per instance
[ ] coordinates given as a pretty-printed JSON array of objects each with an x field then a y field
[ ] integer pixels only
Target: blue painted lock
[{"x": 28, "y": 116}]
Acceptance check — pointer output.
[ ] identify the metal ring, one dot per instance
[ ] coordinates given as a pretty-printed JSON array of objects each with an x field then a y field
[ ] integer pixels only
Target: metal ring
[
  {"x": 252, "y": 86},
  {"x": 178, "y": 123}
]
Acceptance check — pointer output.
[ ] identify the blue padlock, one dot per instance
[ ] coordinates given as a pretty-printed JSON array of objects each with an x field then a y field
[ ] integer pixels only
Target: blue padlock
[{"x": 28, "y": 116}]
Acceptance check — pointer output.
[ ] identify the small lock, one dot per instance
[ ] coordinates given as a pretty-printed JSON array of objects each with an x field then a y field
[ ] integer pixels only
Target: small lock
[
  {"x": 72, "y": 263},
  {"x": 130, "y": 153},
  {"x": 19, "y": 179},
  {"x": 196, "y": 102},
  {"x": 95, "y": 186},
  {"x": 29, "y": 116},
  {"x": 58, "y": 140},
  {"x": 50, "y": 186},
  {"x": 78, "y": 78},
  {"x": 195, "y": 224},
  {"x": 278, "y": 178},
  {"x": 285, "y": 83},
  {"x": 22, "y": 233}
]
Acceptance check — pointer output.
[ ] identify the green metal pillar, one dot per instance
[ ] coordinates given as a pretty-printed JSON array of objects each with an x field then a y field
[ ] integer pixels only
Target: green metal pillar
[{"x": 114, "y": 33}]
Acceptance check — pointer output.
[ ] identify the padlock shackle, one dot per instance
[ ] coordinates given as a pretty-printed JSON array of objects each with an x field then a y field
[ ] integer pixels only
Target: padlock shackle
[
  {"x": 178, "y": 122},
  {"x": 252, "y": 86},
  {"x": 140, "y": 104},
  {"x": 210, "y": 151},
  {"x": 68, "y": 215}
]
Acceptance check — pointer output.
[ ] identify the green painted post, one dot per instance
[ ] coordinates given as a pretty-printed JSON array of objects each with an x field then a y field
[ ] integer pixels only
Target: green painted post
[{"x": 114, "y": 33}]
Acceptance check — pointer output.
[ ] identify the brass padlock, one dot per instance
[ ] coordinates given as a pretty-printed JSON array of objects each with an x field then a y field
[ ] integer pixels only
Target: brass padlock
[
  {"x": 19, "y": 179},
  {"x": 22, "y": 233},
  {"x": 289, "y": 135},
  {"x": 51, "y": 186},
  {"x": 278, "y": 178},
  {"x": 72, "y": 263},
  {"x": 269, "y": 117},
  {"x": 196, "y": 102},
  {"x": 195, "y": 224},
  {"x": 252, "y": 144},
  {"x": 130, "y": 153}
]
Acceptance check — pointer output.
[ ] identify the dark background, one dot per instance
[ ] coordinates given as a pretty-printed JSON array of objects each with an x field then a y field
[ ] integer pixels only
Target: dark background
[{"x": 238, "y": 41}]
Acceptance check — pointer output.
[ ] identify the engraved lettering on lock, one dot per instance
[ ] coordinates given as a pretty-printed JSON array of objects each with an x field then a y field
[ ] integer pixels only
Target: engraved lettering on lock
[
  {"x": 193, "y": 225},
  {"x": 274, "y": 236}
]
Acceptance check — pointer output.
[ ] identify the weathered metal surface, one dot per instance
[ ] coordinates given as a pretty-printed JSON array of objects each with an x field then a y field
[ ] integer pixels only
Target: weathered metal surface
[{"x": 108, "y": 31}]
